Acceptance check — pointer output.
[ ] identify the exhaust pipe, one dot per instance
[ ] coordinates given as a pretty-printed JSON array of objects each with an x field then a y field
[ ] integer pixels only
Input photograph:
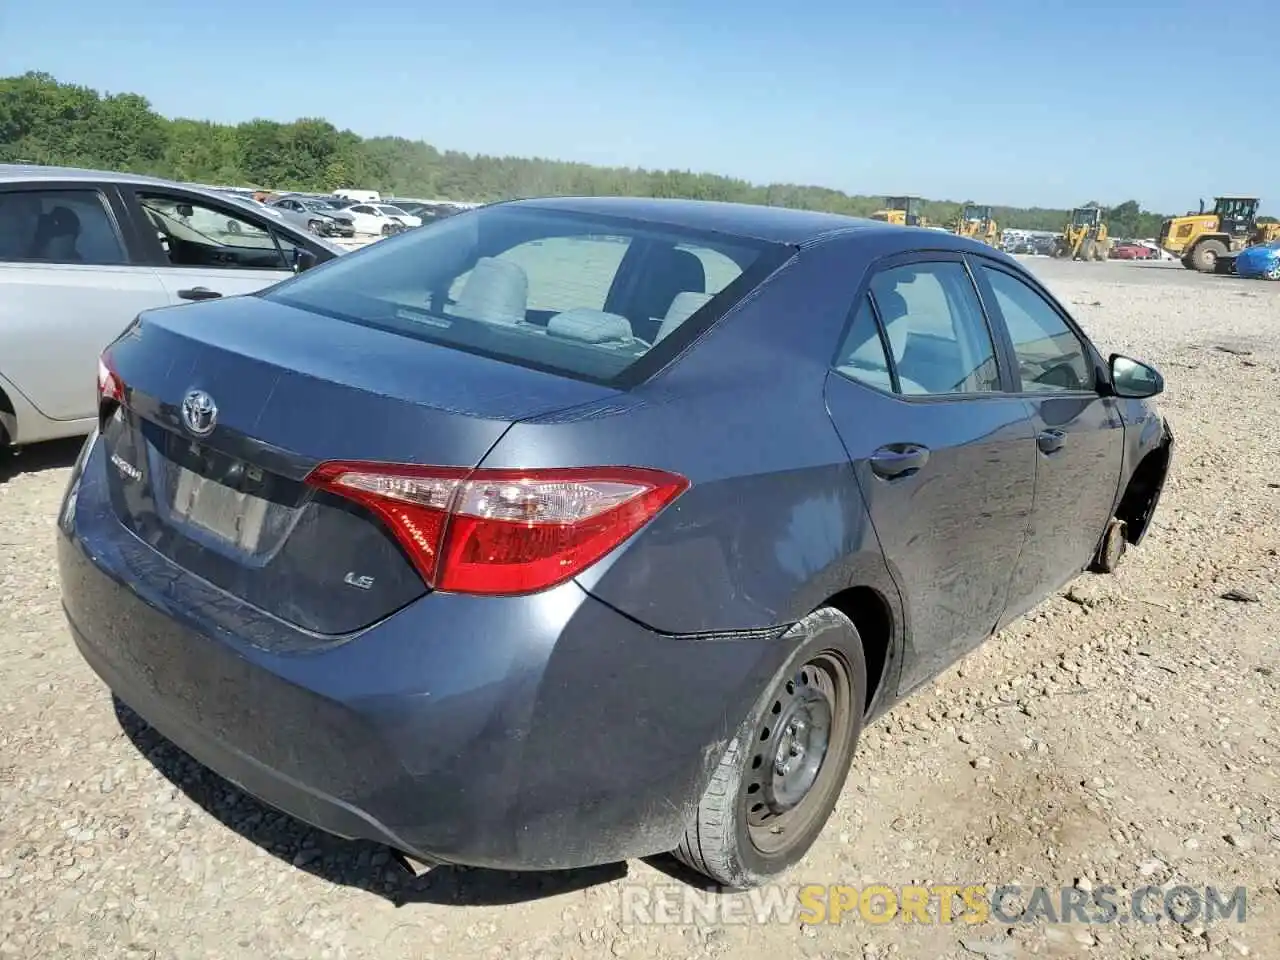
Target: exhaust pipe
[{"x": 411, "y": 865}]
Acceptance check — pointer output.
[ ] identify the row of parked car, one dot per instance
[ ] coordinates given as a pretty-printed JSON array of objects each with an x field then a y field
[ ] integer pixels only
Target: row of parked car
[{"x": 345, "y": 217}]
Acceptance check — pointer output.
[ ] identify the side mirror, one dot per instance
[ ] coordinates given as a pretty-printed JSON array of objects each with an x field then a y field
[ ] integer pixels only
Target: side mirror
[
  {"x": 1134, "y": 380},
  {"x": 303, "y": 259}
]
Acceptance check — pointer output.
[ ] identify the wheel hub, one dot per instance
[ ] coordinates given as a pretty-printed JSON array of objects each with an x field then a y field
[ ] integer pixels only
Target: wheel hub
[{"x": 804, "y": 730}]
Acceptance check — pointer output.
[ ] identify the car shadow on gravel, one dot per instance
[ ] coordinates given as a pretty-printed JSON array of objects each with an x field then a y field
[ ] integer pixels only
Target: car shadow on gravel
[
  {"x": 51, "y": 455},
  {"x": 363, "y": 865}
]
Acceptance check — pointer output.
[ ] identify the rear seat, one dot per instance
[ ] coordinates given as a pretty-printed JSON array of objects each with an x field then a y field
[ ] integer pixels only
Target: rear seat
[{"x": 497, "y": 291}]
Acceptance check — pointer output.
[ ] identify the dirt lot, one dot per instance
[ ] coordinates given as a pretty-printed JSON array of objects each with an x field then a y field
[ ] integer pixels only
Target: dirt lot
[{"x": 1124, "y": 734}]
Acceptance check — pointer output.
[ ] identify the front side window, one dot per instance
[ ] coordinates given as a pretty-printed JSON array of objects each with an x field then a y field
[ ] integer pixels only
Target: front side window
[
  {"x": 581, "y": 295},
  {"x": 937, "y": 332},
  {"x": 58, "y": 226},
  {"x": 1051, "y": 358},
  {"x": 195, "y": 234}
]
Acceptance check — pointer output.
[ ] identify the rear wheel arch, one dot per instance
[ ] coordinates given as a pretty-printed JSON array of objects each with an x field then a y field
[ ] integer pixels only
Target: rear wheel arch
[
  {"x": 873, "y": 616},
  {"x": 8, "y": 420}
]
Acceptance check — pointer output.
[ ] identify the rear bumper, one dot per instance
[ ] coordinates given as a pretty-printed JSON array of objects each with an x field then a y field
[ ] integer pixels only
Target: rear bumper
[{"x": 542, "y": 732}]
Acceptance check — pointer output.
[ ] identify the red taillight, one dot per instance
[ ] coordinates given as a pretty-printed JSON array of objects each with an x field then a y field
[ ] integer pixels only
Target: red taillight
[
  {"x": 110, "y": 386},
  {"x": 503, "y": 531}
]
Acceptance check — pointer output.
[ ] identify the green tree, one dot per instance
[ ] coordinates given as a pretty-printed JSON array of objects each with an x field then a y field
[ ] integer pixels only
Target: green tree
[{"x": 44, "y": 121}]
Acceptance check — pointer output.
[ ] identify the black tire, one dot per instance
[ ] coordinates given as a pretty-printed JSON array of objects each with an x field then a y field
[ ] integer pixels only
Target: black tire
[
  {"x": 748, "y": 796},
  {"x": 1205, "y": 256},
  {"x": 1111, "y": 548}
]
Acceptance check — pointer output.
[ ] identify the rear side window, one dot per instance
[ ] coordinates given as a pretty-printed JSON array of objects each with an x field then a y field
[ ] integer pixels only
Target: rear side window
[
  {"x": 937, "y": 332},
  {"x": 585, "y": 296},
  {"x": 862, "y": 356},
  {"x": 58, "y": 226}
]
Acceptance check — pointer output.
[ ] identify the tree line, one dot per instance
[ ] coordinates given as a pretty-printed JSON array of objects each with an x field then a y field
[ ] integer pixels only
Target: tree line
[{"x": 47, "y": 122}]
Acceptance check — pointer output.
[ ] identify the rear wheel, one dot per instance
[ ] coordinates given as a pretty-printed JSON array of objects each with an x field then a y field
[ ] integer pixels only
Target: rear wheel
[
  {"x": 1205, "y": 256},
  {"x": 779, "y": 779}
]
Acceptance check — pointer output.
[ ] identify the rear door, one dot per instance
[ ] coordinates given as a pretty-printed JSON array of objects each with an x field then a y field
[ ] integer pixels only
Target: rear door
[
  {"x": 72, "y": 277},
  {"x": 1079, "y": 432},
  {"x": 204, "y": 248},
  {"x": 943, "y": 454}
]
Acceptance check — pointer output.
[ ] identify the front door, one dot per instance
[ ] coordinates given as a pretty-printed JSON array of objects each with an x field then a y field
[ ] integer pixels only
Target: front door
[
  {"x": 209, "y": 249},
  {"x": 944, "y": 458},
  {"x": 1079, "y": 436}
]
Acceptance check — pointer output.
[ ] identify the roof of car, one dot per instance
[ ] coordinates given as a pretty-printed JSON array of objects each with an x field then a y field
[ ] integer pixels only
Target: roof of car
[
  {"x": 778, "y": 224},
  {"x": 10, "y": 172}
]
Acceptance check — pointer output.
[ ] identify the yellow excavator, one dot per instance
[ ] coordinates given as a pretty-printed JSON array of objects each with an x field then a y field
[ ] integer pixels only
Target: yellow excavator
[
  {"x": 904, "y": 211},
  {"x": 1084, "y": 237},
  {"x": 1208, "y": 242},
  {"x": 977, "y": 223}
]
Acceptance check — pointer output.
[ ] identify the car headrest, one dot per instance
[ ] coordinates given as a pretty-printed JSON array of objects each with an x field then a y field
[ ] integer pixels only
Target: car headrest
[
  {"x": 589, "y": 326},
  {"x": 497, "y": 291}
]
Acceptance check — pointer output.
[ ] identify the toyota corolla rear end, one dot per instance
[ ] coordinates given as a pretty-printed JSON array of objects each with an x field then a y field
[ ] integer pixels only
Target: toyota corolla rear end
[{"x": 282, "y": 549}]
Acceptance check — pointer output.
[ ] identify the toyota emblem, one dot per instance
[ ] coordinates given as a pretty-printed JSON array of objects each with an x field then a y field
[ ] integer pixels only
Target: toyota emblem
[{"x": 199, "y": 413}]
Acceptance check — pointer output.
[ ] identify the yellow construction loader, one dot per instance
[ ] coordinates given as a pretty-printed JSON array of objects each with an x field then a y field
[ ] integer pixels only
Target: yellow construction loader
[
  {"x": 977, "y": 223},
  {"x": 1084, "y": 237},
  {"x": 1209, "y": 242},
  {"x": 904, "y": 211}
]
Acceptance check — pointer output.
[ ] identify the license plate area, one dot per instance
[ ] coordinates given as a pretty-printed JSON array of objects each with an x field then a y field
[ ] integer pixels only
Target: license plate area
[{"x": 231, "y": 515}]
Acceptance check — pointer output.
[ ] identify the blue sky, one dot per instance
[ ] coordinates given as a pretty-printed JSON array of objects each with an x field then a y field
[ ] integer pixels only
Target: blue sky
[{"x": 1052, "y": 103}]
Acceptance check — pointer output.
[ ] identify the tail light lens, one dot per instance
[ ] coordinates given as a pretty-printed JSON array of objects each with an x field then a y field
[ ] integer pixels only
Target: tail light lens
[
  {"x": 503, "y": 532},
  {"x": 110, "y": 386}
]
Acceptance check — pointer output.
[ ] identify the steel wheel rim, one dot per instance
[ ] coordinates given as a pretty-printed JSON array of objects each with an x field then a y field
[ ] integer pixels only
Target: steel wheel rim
[{"x": 789, "y": 765}]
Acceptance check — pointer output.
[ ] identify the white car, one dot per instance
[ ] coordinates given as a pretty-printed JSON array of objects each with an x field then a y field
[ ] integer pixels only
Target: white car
[
  {"x": 380, "y": 219},
  {"x": 83, "y": 252},
  {"x": 391, "y": 210}
]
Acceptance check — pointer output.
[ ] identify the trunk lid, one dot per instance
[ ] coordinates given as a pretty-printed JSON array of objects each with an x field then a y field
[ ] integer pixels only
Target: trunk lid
[{"x": 293, "y": 389}]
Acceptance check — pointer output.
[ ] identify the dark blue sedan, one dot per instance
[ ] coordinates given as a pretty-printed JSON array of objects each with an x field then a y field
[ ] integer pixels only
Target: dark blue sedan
[{"x": 560, "y": 532}]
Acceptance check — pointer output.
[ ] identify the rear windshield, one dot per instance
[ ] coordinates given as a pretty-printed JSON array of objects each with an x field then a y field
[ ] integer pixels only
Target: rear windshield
[{"x": 598, "y": 298}]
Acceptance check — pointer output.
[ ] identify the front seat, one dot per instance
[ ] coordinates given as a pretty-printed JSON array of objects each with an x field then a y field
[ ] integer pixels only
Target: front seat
[
  {"x": 685, "y": 305},
  {"x": 56, "y": 234},
  {"x": 669, "y": 273},
  {"x": 497, "y": 291},
  {"x": 893, "y": 314}
]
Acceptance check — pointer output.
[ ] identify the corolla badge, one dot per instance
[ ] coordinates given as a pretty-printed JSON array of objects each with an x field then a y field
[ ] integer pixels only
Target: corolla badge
[{"x": 199, "y": 413}]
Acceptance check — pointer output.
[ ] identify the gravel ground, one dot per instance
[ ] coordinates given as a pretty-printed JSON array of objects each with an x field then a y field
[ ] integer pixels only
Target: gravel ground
[{"x": 1124, "y": 733}]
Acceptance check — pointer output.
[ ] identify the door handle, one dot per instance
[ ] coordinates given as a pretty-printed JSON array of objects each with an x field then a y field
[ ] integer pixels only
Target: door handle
[
  {"x": 896, "y": 460},
  {"x": 1051, "y": 441},
  {"x": 199, "y": 293}
]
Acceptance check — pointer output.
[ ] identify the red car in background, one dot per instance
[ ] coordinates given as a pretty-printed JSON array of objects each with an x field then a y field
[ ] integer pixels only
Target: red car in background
[{"x": 1133, "y": 251}]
